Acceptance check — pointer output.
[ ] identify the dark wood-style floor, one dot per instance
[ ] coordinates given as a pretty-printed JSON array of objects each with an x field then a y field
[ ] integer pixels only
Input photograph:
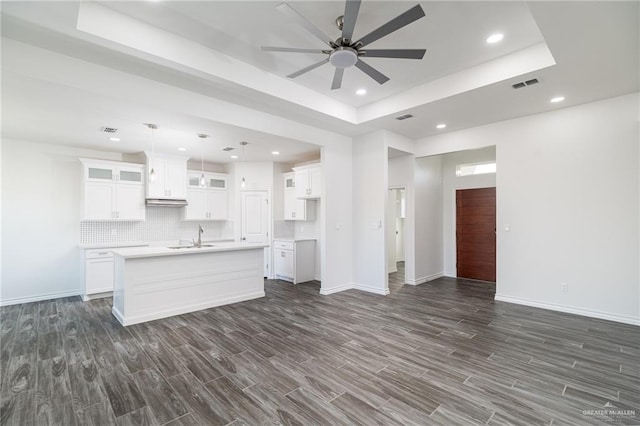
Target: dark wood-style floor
[{"x": 439, "y": 353}]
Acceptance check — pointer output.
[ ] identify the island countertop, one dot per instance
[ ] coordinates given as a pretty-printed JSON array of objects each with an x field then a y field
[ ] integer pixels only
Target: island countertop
[{"x": 137, "y": 252}]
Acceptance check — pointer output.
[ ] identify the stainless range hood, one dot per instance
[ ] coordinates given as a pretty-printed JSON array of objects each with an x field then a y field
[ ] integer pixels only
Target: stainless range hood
[{"x": 163, "y": 202}]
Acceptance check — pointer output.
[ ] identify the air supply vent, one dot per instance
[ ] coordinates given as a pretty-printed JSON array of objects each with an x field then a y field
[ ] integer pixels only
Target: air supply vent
[
  {"x": 404, "y": 117},
  {"x": 228, "y": 148},
  {"x": 109, "y": 129},
  {"x": 522, "y": 84}
]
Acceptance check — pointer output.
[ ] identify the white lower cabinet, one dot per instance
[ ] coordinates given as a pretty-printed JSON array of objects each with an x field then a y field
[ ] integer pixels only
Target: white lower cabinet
[
  {"x": 98, "y": 273},
  {"x": 294, "y": 261}
]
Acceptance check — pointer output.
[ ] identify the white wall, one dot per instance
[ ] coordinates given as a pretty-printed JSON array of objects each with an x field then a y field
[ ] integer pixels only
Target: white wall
[
  {"x": 568, "y": 186},
  {"x": 41, "y": 187},
  {"x": 336, "y": 212},
  {"x": 428, "y": 219},
  {"x": 369, "y": 205},
  {"x": 451, "y": 183}
]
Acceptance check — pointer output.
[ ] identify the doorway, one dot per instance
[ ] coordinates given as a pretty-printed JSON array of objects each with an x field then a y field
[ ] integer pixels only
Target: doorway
[
  {"x": 396, "y": 214},
  {"x": 476, "y": 234},
  {"x": 255, "y": 222}
]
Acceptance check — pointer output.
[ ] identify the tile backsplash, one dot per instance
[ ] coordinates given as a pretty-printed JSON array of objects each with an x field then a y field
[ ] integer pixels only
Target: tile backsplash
[{"x": 162, "y": 224}]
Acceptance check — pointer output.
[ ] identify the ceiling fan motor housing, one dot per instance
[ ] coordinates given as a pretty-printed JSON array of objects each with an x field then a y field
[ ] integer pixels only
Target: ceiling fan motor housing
[{"x": 343, "y": 57}]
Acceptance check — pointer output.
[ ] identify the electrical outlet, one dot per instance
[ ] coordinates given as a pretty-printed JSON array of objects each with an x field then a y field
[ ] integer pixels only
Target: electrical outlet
[{"x": 564, "y": 287}]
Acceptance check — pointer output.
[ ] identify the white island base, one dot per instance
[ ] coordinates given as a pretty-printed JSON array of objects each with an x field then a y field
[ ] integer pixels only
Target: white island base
[{"x": 158, "y": 282}]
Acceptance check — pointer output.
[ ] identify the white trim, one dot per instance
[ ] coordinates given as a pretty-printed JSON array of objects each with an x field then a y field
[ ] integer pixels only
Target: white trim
[
  {"x": 87, "y": 297},
  {"x": 317, "y": 278},
  {"x": 392, "y": 270},
  {"x": 336, "y": 289},
  {"x": 570, "y": 310},
  {"x": 423, "y": 280},
  {"x": 47, "y": 296},
  {"x": 183, "y": 309},
  {"x": 370, "y": 289}
]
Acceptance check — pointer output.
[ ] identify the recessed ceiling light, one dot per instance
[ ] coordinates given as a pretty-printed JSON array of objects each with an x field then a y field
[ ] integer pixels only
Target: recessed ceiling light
[
  {"x": 441, "y": 126},
  {"x": 557, "y": 99},
  {"x": 234, "y": 157},
  {"x": 494, "y": 38},
  {"x": 275, "y": 152},
  {"x": 182, "y": 148},
  {"x": 361, "y": 92},
  {"x": 114, "y": 139}
]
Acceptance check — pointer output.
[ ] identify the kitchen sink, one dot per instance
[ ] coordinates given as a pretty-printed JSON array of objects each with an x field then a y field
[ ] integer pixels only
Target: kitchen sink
[{"x": 190, "y": 247}]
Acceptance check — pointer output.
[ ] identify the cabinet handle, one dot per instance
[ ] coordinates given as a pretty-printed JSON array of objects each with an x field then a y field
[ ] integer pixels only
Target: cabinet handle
[
  {"x": 282, "y": 254},
  {"x": 102, "y": 253}
]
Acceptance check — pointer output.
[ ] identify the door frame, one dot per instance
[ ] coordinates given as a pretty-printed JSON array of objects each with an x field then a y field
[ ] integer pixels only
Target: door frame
[
  {"x": 269, "y": 250},
  {"x": 403, "y": 187}
]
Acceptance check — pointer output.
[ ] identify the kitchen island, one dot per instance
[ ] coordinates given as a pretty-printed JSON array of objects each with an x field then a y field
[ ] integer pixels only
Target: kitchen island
[{"x": 158, "y": 282}]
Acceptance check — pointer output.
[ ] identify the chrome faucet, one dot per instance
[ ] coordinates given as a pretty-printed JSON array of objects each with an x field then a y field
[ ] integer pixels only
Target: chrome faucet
[{"x": 198, "y": 243}]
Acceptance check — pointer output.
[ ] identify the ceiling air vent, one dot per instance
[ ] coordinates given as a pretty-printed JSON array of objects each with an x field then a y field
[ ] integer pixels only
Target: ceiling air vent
[
  {"x": 522, "y": 84},
  {"x": 228, "y": 148},
  {"x": 404, "y": 117},
  {"x": 109, "y": 129}
]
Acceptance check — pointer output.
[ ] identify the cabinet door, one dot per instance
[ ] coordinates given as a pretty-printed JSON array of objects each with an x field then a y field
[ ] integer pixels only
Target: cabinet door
[
  {"x": 302, "y": 184},
  {"x": 284, "y": 263},
  {"x": 290, "y": 204},
  {"x": 99, "y": 201},
  {"x": 156, "y": 187},
  {"x": 215, "y": 182},
  {"x": 130, "y": 202},
  {"x": 198, "y": 207},
  {"x": 315, "y": 182},
  {"x": 301, "y": 210},
  {"x": 99, "y": 173},
  {"x": 176, "y": 178},
  {"x": 218, "y": 205},
  {"x": 98, "y": 276},
  {"x": 130, "y": 176}
]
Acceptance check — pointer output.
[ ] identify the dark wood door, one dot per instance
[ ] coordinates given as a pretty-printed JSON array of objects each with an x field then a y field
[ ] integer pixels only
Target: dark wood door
[{"x": 476, "y": 233}]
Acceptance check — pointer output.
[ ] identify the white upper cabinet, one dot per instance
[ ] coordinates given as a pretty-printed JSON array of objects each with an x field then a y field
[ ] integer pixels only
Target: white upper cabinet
[
  {"x": 170, "y": 176},
  {"x": 208, "y": 202},
  {"x": 308, "y": 181},
  {"x": 295, "y": 208},
  {"x": 112, "y": 190}
]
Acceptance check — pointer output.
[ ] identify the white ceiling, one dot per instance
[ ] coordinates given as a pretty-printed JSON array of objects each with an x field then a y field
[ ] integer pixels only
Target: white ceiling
[{"x": 163, "y": 59}]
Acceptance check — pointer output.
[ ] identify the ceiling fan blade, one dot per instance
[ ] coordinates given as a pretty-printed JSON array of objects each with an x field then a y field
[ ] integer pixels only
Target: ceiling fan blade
[
  {"x": 351, "y": 9},
  {"x": 396, "y": 23},
  {"x": 290, "y": 50},
  {"x": 304, "y": 22},
  {"x": 337, "y": 78},
  {"x": 395, "y": 53},
  {"x": 309, "y": 68},
  {"x": 372, "y": 72}
]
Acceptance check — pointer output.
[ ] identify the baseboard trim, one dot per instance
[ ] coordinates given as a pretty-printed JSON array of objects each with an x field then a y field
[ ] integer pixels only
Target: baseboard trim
[
  {"x": 41, "y": 297},
  {"x": 392, "y": 270},
  {"x": 423, "y": 280},
  {"x": 569, "y": 309},
  {"x": 87, "y": 297},
  {"x": 370, "y": 289},
  {"x": 135, "y": 319},
  {"x": 336, "y": 289},
  {"x": 317, "y": 278}
]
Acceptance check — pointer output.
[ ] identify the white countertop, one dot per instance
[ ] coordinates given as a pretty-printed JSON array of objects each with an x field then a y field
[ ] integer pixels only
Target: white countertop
[
  {"x": 136, "y": 252},
  {"x": 293, "y": 240},
  {"x": 88, "y": 246}
]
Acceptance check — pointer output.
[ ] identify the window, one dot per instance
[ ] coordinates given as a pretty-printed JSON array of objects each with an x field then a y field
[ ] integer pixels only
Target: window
[{"x": 475, "y": 168}]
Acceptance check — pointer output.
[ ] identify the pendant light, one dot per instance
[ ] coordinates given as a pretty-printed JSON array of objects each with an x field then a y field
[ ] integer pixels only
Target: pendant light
[
  {"x": 152, "y": 172},
  {"x": 203, "y": 181},
  {"x": 243, "y": 183}
]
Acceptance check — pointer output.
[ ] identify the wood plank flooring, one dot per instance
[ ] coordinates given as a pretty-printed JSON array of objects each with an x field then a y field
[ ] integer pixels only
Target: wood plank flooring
[{"x": 442, "y": 353}]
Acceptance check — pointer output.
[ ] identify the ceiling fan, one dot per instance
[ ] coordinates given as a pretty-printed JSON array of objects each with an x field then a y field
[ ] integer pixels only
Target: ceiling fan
[{"x": 344, "y": 52}]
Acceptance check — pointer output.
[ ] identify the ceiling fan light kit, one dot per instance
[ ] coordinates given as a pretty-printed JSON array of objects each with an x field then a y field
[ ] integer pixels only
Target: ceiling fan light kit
[{"x": 345, "y": 53}]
